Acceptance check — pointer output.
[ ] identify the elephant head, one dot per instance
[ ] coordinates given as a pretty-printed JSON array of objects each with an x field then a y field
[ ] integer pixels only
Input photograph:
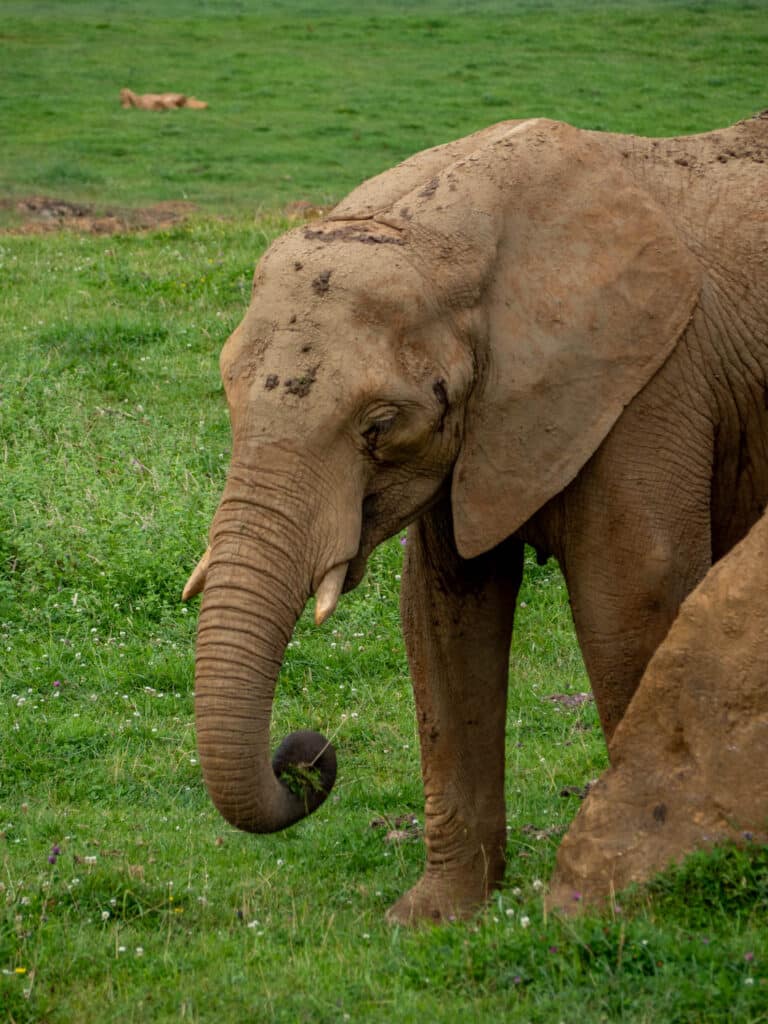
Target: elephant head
[{"x": 469, "y": 324}]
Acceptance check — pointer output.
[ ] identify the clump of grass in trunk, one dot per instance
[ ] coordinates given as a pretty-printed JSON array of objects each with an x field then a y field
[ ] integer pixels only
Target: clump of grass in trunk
[{"x": 302, "y": 779}]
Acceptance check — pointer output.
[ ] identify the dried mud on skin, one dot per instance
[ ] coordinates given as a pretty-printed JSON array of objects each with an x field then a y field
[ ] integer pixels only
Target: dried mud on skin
[{"x": 41, "y": 214}]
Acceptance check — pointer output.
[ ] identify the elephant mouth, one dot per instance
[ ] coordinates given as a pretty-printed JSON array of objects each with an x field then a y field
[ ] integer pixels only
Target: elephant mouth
[
  {"x": 355, "y": 571},
  {"x": 372, "y": 533}
]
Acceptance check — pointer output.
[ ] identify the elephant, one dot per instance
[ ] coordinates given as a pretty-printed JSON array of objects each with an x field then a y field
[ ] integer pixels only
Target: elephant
[{"x": 538, "y": 335}]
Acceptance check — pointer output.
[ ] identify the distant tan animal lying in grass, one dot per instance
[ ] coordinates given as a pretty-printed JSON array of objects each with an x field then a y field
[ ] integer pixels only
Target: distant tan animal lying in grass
[{"x": 160, "y": 100}]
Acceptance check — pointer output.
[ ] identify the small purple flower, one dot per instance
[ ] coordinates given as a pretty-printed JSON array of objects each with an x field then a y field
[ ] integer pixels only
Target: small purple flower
[
  {"x": 51, "y": 859},
  {"x": 403, "y": 541},
  {"x": 57, "y": 682},
  {"x": 554, "y": 949},
  {"x": 749, "y": 957},
  {"x": 576, "y": 897},
  {"x": 516, "y": 980},
  {"x": 56, "y": 850}
]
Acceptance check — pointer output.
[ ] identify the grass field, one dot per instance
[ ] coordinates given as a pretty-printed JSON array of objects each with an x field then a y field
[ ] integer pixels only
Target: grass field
[
  {"x": 123, "y": 896},
  {"x": 308, "y": 98}
]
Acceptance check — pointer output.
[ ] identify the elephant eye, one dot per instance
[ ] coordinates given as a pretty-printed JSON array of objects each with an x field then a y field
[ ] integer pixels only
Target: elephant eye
[{"x": 376, "y": 430}]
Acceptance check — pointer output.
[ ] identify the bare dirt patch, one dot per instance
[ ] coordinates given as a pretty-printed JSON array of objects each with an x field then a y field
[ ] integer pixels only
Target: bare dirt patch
[
  {"x": 40, "y": 214},
  {"x": 34, "y": 215}
]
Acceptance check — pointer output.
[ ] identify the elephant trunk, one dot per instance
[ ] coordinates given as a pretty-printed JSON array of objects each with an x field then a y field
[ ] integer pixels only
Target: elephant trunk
[{"x": 257, "y": 582}]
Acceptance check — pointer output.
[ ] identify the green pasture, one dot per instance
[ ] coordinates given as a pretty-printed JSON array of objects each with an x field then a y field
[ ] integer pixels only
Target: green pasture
[
  {"x": 306, "y": 99},
  {"x": 123, "y": 895}
]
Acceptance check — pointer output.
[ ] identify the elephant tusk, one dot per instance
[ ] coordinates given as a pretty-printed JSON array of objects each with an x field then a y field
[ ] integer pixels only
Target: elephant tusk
[
  {"x": 329, "y": 591},
  {"x": 196, "y": 581}
]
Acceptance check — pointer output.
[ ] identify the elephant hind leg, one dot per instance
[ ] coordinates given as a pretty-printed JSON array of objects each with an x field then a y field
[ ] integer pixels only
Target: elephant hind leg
[
  {"x": 627, "y": 577},
  {"x": 637, "y": 527}
]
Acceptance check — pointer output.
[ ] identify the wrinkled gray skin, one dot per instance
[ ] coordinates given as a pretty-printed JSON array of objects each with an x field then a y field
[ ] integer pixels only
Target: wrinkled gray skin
[{"x": 535, "y": 334}]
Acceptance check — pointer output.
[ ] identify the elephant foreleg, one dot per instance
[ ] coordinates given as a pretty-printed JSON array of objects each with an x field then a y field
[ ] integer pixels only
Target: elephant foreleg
[{"x": 457, "y": 620}]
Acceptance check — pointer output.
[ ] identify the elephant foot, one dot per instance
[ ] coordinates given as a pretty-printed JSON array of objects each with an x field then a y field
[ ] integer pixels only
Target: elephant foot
[{"x": 437, "y": 900}]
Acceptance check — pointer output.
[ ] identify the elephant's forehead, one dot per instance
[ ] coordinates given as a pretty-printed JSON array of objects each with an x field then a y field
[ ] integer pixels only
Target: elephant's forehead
[
  {"x": 308, "y": 343},
  {"x": 335, "y": 276},
  {"x": 278, "y": 356},
  {"x": 304, "y": 381},
  {"x": 310, "y": 295},
  {"x": 325, "y": 318}
]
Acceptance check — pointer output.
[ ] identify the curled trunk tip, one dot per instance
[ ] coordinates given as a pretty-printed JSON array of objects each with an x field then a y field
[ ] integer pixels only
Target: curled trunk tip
[{"x": 305, "y": 762}]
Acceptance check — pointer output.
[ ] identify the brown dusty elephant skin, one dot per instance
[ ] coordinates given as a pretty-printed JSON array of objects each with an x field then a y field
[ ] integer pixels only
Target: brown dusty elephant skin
[
  {"x": 534, "y": 334},
  {"x": 689, "y": 760}
]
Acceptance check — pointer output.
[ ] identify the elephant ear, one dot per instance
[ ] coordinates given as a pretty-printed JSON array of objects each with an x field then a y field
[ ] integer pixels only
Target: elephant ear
[{"x": 589, "y": 290}]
